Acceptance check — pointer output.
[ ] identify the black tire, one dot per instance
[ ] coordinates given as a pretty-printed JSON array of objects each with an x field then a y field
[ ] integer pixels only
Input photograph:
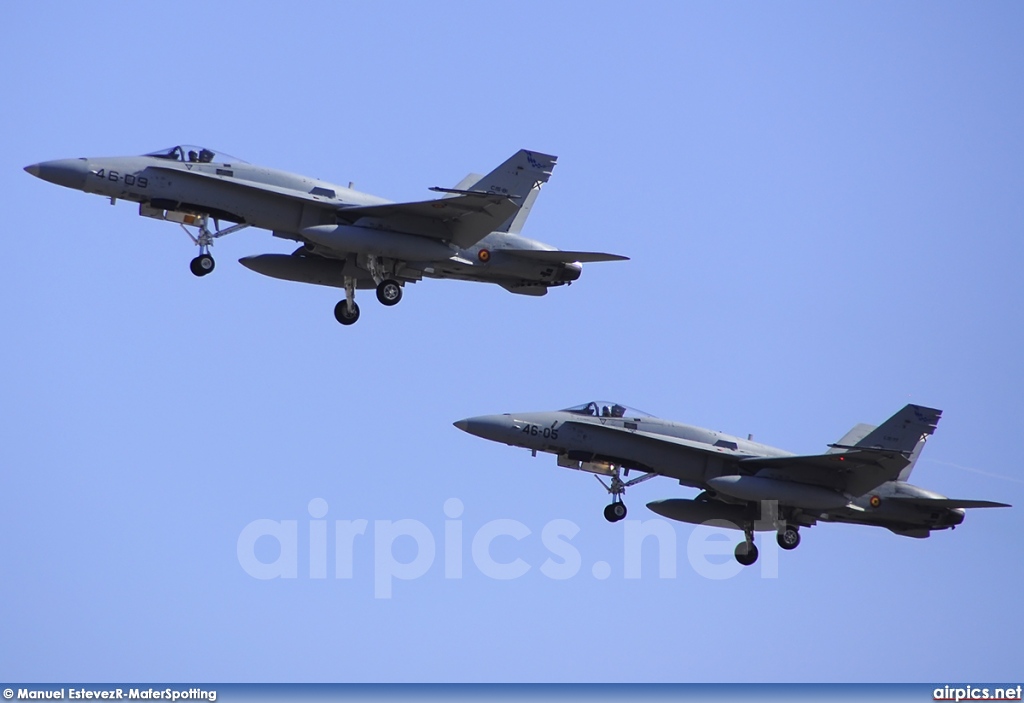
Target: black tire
[
  {"x": 205, "y": 263},
  {"x": 618, "y": 511},
  {"x": 389, "y": 292},
  {"x": 342, "y": 315},
  {"x": 790, "y": 539},
  {"x": 201, "y": 265},
  {"x": 608, "y": 513},
  {"x": 746, "y": 553}
]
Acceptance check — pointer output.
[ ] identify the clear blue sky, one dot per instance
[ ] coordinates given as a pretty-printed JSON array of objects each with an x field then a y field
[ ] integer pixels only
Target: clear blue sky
[{"x": 822, "y": 202}]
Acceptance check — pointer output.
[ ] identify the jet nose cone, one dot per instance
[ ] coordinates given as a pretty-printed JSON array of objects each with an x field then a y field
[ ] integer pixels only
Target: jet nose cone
[
  {"x": 69, "y": 173},
  {"x": 493, "y": 427}
]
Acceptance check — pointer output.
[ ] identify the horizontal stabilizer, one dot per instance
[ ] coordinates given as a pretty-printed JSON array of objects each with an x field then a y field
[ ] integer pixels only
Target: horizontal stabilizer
[
  {"x": 951, "y": 503},
  {"x": 565, "y": 257}
]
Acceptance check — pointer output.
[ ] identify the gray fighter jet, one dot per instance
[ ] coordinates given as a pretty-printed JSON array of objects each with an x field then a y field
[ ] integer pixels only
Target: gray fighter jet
[
  {"x": 349, "y": 239},
  {"x": 861, "y": 479}
]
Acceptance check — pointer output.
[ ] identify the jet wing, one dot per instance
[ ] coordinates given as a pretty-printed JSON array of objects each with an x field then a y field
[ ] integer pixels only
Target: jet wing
[
  {"x": 565, "y": 257},
  {"x": 462, "y": 219},
  {"x": 856, "y": 471}
]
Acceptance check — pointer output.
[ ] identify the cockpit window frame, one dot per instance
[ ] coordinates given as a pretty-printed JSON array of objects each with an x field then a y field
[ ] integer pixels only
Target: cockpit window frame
[
  {"x": 604, "y": 408},
  {"x": 190, "y": 153}
]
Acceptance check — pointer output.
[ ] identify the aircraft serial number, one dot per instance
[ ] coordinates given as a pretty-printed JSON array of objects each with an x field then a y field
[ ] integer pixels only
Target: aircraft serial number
[
  {"x": 128, "y": 178},
  {"x": 545, "y": 432}
]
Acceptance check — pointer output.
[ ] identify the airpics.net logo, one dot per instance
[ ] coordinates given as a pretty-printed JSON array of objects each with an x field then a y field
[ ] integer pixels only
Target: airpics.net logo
[{"x": 408, "y": 549}]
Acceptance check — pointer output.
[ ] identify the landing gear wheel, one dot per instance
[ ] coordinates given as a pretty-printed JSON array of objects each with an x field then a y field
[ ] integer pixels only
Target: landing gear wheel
[
  {"x": 613, "y": 512},
  {"x": 389, "y": 292},
  {"x": 746, "y": 553},
  {"x": 343, "y": 315},
  {"x": 201, "y": 265},
  {"x": 790, "y": 539}
]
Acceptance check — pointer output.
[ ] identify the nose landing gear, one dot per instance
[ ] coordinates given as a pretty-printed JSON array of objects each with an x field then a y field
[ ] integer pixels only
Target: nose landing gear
[
  {"x": 616, "y": 510},
  {"x": 204, "y": 264}
]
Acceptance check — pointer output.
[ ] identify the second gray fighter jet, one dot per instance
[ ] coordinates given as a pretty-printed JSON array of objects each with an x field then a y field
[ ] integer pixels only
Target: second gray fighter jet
[{"x": 862, "y": 479}]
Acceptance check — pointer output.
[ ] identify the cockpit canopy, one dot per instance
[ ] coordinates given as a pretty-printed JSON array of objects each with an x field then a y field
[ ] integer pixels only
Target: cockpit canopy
[
  {"x": 190, "y": 153},
  {"x": 603, "y": 408}
]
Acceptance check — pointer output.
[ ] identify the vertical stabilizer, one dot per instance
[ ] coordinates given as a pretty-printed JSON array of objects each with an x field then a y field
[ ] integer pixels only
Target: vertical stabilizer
[
  {"x": 520, "y": 178},
  {"x": 851, "y": 438},
  {"x": 466, "y": 183},
  {"x": 516, "y": 222},
  {"x": 905, "y": 473},
  {"x": 905, "y": 431}
]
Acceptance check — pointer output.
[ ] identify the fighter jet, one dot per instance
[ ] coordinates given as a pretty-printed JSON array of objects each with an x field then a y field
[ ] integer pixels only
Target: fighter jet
[
  {"x": 349, "y": 239},
  {"x": 861, "y": 479}
]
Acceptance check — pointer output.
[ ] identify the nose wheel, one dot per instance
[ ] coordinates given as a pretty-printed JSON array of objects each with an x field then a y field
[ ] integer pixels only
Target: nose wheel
[
  {"x": 616, "y": 510},
  {"x": 202, "y": 265},
  {"x": 613, "y": 512}
]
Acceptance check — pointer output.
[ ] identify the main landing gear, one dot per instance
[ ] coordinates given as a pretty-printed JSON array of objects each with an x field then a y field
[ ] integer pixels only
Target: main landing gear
[
  {"x": 204, "y": 263},
  {"x": 788, "y": 537},
  {"x": 746, "y": 551},
  {"x": 616, "y": 510},
  {"x": 389, "y": 292}
]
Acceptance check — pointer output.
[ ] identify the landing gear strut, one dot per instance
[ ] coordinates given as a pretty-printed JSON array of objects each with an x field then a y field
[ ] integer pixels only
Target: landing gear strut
[
  {"x": 204, "y": 264},
  {"x": 347, "y": 312},
  {"x": 616, "y": 510},
  {"x": 389, "y": 291},
  {"x": 746, "y": 551}
]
